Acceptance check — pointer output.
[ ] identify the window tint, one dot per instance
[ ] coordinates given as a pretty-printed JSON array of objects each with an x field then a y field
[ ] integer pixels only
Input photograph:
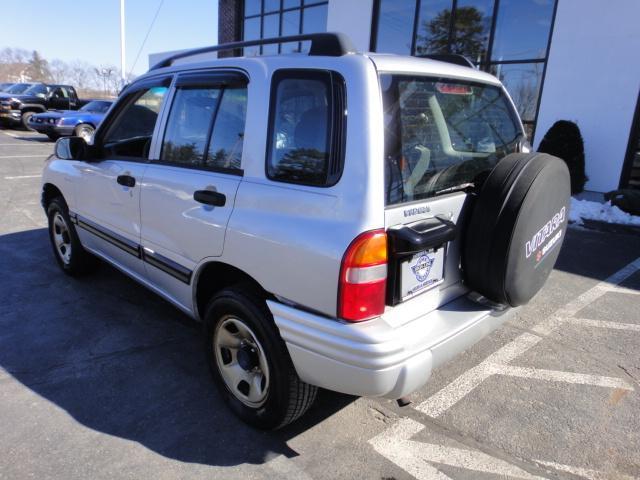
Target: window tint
[
  {"x": 130, "y": 135},
  {"x": 225, "y": 149},
  {"x": 188, "y": 125},
  {"x": 442, "y": 134},
  {"x": 189, "y": 139},
  {"x": 300, "y": 134}
]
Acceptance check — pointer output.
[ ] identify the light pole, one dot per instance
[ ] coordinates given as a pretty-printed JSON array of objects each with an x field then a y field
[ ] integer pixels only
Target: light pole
[{"x": 122, "y": 45}]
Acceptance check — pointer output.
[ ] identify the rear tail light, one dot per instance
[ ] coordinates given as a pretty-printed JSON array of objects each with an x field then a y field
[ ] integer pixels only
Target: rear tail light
[{"x": 363, "y": 277}]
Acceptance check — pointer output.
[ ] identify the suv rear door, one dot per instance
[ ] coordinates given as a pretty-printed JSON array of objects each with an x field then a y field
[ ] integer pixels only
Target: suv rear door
[
  {"x": 442, "y": 137},
  {"x": 190, "y": 185}
]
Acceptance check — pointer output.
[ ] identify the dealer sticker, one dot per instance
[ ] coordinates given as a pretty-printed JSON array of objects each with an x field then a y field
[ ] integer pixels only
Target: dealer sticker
[{"x": 422, "y": 272}]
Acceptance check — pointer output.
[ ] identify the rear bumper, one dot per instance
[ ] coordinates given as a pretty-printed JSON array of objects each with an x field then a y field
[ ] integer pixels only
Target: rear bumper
[{"x": 375, "y": 358}]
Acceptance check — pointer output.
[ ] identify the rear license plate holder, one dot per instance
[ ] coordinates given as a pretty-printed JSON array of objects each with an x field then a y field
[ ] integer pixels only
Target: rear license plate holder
[{"x": 422, "y": 272}]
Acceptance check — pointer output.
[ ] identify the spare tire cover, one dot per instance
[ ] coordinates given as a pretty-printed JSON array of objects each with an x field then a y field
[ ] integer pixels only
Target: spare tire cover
[{"x": 516, "y": 227}]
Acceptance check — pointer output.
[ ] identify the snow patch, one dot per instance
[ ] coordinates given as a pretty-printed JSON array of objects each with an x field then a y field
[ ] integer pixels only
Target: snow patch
[{"x": 603, "y": 212}]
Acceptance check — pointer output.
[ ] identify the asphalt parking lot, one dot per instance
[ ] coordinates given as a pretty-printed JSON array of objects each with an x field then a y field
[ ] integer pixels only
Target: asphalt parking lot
[{"x": 99, "y": 378}]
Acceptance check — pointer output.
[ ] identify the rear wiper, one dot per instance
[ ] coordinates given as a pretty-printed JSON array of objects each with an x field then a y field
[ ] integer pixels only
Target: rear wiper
[{"x": 456, "y": 188}]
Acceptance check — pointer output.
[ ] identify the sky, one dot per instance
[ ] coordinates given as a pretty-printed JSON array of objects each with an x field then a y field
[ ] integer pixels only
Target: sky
[{"x": 89, "y": 30}]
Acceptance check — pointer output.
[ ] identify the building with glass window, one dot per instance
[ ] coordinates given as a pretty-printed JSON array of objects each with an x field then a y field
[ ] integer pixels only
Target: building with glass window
[{"x": 560, "y": 59}]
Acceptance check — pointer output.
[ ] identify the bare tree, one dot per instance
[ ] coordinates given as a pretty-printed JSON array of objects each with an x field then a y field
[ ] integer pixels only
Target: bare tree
[{"x": 59, "y": 71}]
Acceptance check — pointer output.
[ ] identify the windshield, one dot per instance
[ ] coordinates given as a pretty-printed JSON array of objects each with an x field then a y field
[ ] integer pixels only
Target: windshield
[
  {"x": 442, "y": 134},
  {"x": 18, "y": 88},
  {"x": 99, "y": 107},
  {"x": 38, "y": 89}
]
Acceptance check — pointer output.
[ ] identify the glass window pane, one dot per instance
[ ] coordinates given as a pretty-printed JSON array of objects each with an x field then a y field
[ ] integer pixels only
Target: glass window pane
[
  {"x": 291, "y": 23},
  {"x": 271, "y": 26},
  {"x": 290, "y": 3},
  {"x": 130, "y": 136},
  {"x": 271, "y": 5},
  {"x": 434, "y": 20},
  {"x": 395, "y": 26},
  {"x": 522, "y": 81},
  {"x": 188, "y": 125},
  {"x": 472, "y": 29},
  {"x": 270, "y": 29},
  {"x": 300, "y": 141},
  {"x": 251, "y": 7},
  {"x": 441, "y": 134},
  {"x": 314, "y": 19},
  {"x": 225, "y": 149},
  {"x": 252, "y": 32},
  {"x": 522, "y": 29}
]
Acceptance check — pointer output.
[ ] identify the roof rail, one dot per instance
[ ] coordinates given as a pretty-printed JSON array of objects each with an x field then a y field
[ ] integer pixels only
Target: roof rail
[
  {"x": 454, "y": 58},
  {"x": 322, "y": 44}
]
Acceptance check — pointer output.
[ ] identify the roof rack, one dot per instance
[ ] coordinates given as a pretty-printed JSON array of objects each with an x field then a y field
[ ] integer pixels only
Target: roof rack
[
  {"x": 454, "y": 58},
  {"x": 322, "y": 44}
]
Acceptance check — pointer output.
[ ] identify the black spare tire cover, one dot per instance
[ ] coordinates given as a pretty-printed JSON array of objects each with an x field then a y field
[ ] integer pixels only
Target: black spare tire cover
[{"x": 516, "y": 227}]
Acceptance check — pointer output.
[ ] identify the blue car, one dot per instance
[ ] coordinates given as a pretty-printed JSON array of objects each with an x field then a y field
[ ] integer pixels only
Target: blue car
[{"x": 80, "y": 123}]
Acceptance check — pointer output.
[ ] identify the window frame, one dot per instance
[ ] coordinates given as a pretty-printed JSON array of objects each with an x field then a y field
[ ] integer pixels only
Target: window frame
[
  {"x": 121, "y": 104},
  {"x": 336, "y": 121},
  {"x": 204, "y": 79}
]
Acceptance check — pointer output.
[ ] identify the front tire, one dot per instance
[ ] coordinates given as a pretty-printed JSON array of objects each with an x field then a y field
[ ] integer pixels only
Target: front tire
[
  {"x": 73, "y": 259},
  {"x": 85, "y": 132},
  {"x": 249, "y": 362},
  {"x": 26, "y": 116}
]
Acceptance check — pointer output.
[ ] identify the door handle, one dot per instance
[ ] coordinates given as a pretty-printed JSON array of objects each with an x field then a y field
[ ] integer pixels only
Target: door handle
[
  {"x": 126, "y": 180},
  {"x": 209, "y": 197}
]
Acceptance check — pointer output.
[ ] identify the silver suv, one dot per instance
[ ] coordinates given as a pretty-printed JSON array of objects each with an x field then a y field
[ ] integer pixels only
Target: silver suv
[{"x": 340, "y": 220}]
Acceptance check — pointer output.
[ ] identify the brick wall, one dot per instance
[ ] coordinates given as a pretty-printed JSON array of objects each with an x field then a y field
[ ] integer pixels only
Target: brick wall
[{"x": 229, "y": 23}]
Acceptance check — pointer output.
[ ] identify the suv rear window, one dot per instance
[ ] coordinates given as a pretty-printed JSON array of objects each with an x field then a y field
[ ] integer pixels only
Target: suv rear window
[
  {"x": 307, "y": 127},
  {"x": 441, "y": 135}
]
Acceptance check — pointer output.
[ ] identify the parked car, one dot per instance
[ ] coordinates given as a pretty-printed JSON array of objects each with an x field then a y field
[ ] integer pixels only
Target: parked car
[
  {"x": 16, "y": 110},
  {"x": 81, "y": 123},
  {"x": 4, "y": 86},
  {"x": 339, "y": 220}
]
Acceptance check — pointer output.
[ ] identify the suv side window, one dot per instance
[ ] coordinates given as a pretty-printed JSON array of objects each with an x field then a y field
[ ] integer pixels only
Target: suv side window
[
  {"x": 225, "y": 149},
  {"x": 188, "y": 126},
  {"x": 307, "y": 123},
  {"x": 205, "y": 128},
  {"x": 130, "y": 134}
]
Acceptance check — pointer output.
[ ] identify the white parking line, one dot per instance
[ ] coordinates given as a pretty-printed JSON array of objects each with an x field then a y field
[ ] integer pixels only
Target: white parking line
[
  {"x": 587, "y": 322},
  {"x": 437, "y": 404},
  {"x": 20, "y": 135},
  {"x": 19, "y": 177},
  {"x": 557, "y": 376},
  {"x": 586, "y": 473},
  {"x": 416, "y": 457},
  {"x": 27, "y": 144}
]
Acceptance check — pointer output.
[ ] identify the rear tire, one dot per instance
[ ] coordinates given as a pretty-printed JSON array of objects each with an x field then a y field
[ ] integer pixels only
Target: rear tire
[
  {"x": 73, "y": 259},
  {"x": 26, "y": 116},
  {"x": 249, "y": 361},
  {"x": 84, "y": 131}
]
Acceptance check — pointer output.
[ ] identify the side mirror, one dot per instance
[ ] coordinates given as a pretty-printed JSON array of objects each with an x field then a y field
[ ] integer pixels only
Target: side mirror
[{"x": 72, "y": 148}]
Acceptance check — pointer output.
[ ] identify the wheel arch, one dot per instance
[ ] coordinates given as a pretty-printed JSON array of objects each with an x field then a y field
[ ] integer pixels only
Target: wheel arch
[
  {"x": 213, "y": 276},
  {"x": 49, "y": 192}
]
